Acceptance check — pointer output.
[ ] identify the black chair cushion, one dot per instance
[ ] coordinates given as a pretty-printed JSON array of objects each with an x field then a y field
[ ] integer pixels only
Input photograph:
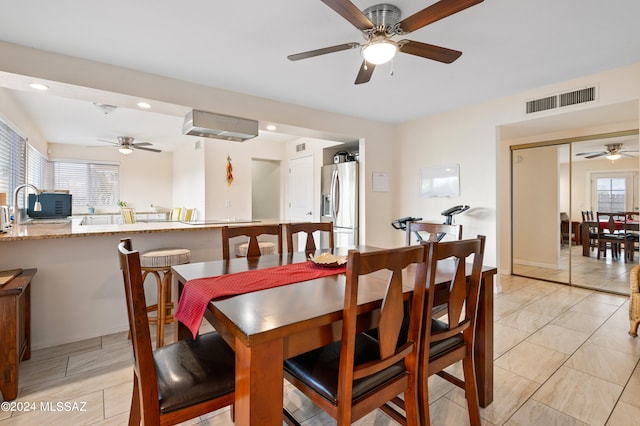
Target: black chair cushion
[
  {"x": 318, "y": 369},
  {"x": 446, "y": 345},
  {"x": 192, "y": 371}
]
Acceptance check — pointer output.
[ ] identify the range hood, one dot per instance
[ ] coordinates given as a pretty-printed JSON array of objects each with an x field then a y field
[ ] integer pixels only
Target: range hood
[{"x": 218, "y": 126}]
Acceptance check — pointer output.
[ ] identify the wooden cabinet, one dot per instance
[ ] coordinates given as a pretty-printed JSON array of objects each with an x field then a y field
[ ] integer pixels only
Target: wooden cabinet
[{"x": 15, "y": 330}]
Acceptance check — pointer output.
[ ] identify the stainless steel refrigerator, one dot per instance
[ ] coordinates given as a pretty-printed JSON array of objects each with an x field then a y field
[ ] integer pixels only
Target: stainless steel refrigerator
[{"x": 339, "y": 202}]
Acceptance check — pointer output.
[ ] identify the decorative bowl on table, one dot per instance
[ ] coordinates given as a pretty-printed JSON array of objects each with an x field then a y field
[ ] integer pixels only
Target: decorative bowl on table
[{"x": 328, "y": 260}]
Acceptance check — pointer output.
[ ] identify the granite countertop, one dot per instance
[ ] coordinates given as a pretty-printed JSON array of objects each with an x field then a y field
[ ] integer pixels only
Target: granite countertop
[{"x": 71, "y": 228}]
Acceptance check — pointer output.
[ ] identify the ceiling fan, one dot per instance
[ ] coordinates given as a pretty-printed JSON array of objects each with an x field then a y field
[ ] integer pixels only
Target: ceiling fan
[
  {"x": 126, "y": 146},
  {"x": 380, "y": 24},
  {"x": 613, "y": 152}
]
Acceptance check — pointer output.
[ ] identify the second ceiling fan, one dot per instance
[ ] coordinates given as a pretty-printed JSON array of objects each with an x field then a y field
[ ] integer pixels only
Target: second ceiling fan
[
  {"x": 126, "y": 145},
  {"x": 380, "y": 24}
]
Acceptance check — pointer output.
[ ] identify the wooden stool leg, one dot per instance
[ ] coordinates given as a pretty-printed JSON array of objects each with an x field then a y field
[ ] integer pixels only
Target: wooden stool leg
[
  {"x": 162, "y": 310},
  {"x": 159, "y": 318}
]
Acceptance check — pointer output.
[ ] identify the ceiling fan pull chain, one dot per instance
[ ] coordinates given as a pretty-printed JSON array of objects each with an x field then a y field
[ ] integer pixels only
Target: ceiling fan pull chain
[{"x": 391, "y": 73}]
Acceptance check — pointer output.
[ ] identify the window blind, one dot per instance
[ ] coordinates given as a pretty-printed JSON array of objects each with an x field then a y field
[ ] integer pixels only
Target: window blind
[
  {"x": 91, "y": 184},
  {"x": 12, "y": 160},
  {"x": 37, "y": 167}
]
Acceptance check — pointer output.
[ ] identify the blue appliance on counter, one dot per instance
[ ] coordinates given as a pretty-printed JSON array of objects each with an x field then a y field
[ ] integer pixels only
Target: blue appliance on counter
[{"x": 55, "y": 205}]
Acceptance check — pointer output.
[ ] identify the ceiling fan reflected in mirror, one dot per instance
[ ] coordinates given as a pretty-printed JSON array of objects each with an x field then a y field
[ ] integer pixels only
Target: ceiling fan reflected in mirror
[
  {"x": 380, "y": 24},
  {"x": 126, "y": 145},
  {"x": 613, "y": 152}
]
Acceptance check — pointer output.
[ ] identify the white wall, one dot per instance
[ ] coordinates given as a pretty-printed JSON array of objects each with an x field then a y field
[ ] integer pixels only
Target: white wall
[
  {"x": 471, "y": 136},
  {"x": 536, "y": 207},
  {"x": 265, "y": 189},
  {"x": 376, "y": 155},
  {"x": 189, "y": 178},
  {"x": 12, "y": 113},
  {"x": 145, "y": 177}
]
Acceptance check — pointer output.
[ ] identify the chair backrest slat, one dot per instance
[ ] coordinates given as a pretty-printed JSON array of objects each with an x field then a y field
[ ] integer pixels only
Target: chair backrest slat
[
  {"x": 386, "y": 265},
  {"x": 308, "y": 228},
  {"x": 252, "y": 232},
  {"x": 433, "y": 230},
  {"x": 462, "y": 299}
]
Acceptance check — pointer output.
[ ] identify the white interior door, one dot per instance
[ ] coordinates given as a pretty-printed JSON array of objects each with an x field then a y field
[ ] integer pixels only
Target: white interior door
[{"x": 301, "y": 195}]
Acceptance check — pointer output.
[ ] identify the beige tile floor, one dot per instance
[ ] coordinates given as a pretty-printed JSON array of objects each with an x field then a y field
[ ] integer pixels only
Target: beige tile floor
[
  {"x": 607, "y": 273},
  {"x": 562, "y": 357}
]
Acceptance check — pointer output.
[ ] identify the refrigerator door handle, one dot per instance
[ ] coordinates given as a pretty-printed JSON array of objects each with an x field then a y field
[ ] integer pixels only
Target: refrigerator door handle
[{"x": 335, "y": 192}]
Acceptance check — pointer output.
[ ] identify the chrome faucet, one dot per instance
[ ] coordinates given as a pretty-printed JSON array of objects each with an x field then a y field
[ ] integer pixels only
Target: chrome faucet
[{"x": 37, "y": 206}]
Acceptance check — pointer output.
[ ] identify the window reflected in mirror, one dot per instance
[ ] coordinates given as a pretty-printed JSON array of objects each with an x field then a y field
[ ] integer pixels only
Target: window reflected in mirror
[{"x": 557, "y": 192}]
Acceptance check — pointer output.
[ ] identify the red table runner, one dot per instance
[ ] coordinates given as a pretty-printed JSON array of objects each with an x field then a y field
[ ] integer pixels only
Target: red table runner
[{"x": 197, "y": 293}]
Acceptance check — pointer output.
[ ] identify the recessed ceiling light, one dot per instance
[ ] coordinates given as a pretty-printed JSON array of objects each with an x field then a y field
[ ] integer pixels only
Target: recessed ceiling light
[
  {"x": 144, "y": 105},
  {"x": 39, "y": 86},
  {"x": 271, "y": 127}
]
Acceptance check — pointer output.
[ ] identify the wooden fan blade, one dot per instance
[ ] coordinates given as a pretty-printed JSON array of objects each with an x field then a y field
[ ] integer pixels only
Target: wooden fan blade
[
  {"x": 434, "y": 13},
  {"x": 624, "y": 153},
  {"x": 111, "y": 142},
  {"x": 599, "y": 154},
  {"x": 141, "y": 144},
  {"x": 364, "y": 75},
  {"x": 323, "y": 51},
  {"x": 429, "y": 51},
  {"x": 351, "y": 13},
  {"x": 591, "y": 153},
  {"x": 145, "y": 149}
]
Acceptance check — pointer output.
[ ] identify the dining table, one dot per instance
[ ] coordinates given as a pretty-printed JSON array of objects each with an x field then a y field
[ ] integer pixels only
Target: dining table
[
  {"x": 265, "y": 327},
  {"x": 588, "y": 226}
]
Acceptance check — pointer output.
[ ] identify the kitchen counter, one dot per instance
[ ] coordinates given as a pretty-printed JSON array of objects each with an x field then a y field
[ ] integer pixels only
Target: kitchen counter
[
  {"x": 74, "y": 227},
  {"x": 78, "y": 292}
]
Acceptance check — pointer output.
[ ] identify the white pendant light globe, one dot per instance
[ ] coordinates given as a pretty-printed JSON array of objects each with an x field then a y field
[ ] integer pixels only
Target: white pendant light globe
[
  {"x": 379, "y": 50},
  {"x": 125, "y": 150},
  {"x": 613, "y": 157}
]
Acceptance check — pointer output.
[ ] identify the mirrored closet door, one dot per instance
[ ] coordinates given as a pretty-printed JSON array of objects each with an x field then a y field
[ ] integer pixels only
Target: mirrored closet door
[{"x": 557, "y": 191}]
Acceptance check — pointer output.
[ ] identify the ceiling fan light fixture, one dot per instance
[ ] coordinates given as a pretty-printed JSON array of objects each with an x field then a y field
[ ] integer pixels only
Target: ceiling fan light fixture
[
  {"x": 379, "y": 50},
  {"x": 613, "y": 157},
  {"x": 125, "y": 150}
]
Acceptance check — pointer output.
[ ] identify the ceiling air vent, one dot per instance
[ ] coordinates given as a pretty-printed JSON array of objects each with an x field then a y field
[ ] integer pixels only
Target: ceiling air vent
[
  {"x": 543, "y": 104},
  {"x": 578, "y": 96},
  {"x": 560, "y": 100},
  {"x": 301, "y": 147}
]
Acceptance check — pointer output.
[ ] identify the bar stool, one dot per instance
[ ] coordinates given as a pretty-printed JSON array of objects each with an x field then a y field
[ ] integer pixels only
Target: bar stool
[
  {"x": 266, "y": 247},
  {"x": 158, "y": 262}
]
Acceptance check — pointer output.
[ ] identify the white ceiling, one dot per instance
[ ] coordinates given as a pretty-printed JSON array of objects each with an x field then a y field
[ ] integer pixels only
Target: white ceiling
[{"x": 508, "y": 46}]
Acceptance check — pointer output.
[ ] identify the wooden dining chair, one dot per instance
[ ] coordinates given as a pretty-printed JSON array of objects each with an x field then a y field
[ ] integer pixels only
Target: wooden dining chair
[
  {"x": 179, "y": 381},
  {"x": 252, "y": 232},
  {"x": 358, "y": 374},
  {"x": 446, "y": 342},
  {"x": 589, "y": 221},
  {"x": 308, "y": 228},
  {"x": 433, "y": 231},
  {"x": 611, "y": 234}
]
